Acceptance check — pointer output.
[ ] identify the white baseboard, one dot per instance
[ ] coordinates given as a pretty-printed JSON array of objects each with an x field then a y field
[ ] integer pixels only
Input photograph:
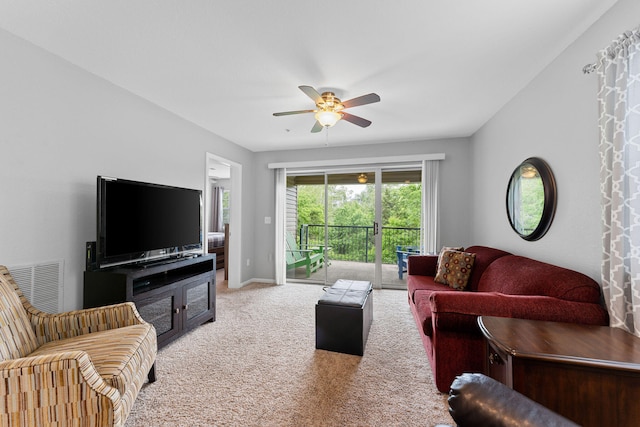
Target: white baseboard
[{"x": 258, "y": 280}]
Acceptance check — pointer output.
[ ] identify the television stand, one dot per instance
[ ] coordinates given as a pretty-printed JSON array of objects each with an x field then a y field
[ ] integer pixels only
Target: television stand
[
  {"x": 175, "y": 295},
  {"x": 155, "y": 263}
]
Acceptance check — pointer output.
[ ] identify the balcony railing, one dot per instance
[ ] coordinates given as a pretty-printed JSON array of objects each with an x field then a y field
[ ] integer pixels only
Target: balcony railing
[{"x": 356, "y": 242}]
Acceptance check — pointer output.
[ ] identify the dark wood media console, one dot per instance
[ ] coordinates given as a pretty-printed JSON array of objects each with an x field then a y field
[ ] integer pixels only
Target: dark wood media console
[{"x": 175, "y": 296}]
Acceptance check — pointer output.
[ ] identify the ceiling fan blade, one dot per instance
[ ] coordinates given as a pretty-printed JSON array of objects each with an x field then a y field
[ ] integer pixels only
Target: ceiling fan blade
[
  {"x": 356, "y": 120},
  {"x": 311, "y": 93},
  {"x": 317, "y": 127},
  {"x": 288, "y": 113},
  {"x": 362, "y": 100}
]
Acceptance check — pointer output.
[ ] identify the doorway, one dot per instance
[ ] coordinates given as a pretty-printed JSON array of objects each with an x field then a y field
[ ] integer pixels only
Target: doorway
[{"x": 224, "y": 176}]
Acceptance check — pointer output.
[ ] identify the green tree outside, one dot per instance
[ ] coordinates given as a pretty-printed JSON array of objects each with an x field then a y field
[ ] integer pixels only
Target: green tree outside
[
  {"x": 401, "y": 208},
  {"x": 532, "y": 203}
]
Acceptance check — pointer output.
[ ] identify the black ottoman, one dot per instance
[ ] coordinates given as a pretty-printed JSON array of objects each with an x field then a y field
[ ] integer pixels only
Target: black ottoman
[{"x": 343, "y": 317}]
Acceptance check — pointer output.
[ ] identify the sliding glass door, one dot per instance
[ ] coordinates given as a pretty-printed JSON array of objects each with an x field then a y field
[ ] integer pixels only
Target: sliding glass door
[
  {"x": 351, "y": 231},
  {"x": 401, "y": 213},
  {"x": 305, "y": 253},
  {"x": 352, "y": 224}
]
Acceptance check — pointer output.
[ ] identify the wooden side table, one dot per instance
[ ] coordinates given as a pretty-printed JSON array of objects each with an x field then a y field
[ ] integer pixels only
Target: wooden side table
[{"x": 589, "y": 374}]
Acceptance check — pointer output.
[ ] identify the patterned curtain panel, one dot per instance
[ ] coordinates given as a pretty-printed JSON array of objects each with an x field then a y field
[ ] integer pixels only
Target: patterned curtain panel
[{"x": 618, "y": 71}]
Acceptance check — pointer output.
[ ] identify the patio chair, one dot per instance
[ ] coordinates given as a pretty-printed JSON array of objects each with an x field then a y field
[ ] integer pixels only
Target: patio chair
[
  {"x": 311, "y": 259},
  {"x": 402, "y": 252}
]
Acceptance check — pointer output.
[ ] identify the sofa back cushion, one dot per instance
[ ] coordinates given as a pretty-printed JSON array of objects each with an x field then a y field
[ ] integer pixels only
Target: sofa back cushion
[
  {"x": 484, "y": 257},
  {"x": 17, "y": 337},
  {"x": 517, "y": 275}
]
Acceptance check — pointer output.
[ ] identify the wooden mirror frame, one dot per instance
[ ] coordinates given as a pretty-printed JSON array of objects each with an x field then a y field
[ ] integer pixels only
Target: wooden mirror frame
[{"x": 549, "y": 207}]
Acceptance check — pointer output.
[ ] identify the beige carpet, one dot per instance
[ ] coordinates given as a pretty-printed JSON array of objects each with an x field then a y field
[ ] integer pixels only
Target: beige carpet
[{"x": 257, "y": 365}]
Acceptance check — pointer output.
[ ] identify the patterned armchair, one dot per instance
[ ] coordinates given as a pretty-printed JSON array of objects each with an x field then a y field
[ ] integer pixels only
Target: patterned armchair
[{"x": 81, "y": 368}]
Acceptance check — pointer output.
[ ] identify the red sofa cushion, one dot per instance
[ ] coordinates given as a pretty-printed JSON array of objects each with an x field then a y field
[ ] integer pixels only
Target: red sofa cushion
[
  {"x": 517, "y": 275},
  {"x": 422, "y": 265},
  {"x": 421, "y": 270},
  {"x": 458, "y": 311},
  {"x": 423, "y": 283},
  {"x": 484, "y": 257}
]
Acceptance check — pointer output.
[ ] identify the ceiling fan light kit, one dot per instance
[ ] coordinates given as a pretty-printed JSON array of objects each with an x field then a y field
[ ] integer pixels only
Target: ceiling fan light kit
[
  {"x": 328, "y": 118},
  {"x": 329, "y": 108}
]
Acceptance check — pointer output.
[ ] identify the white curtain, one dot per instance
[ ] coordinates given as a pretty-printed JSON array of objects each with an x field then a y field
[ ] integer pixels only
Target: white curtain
[
  {"x": 430, "y": 185},
  {"x": 618, "y": 71},
  {"x": 280, "y": 226}
]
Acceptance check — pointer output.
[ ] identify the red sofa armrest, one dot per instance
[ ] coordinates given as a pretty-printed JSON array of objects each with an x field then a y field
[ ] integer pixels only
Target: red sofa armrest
[
  {"x": 422, "y": 265},
  {"x": 458, "y": 311}
]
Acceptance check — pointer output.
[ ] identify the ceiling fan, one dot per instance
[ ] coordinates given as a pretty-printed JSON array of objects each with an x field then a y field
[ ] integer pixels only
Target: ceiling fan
[{"x": 330, "y": 109}]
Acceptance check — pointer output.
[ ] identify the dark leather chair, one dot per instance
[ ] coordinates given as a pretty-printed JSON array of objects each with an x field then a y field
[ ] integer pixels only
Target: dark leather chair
[{"x": 476, "y": 400}]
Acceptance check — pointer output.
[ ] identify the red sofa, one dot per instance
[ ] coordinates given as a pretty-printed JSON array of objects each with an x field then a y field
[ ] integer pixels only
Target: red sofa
[{"x": 501, "y": 284}]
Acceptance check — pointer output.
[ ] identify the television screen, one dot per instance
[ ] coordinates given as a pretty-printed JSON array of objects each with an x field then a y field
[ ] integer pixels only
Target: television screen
[{"x": 138, "y": 221}]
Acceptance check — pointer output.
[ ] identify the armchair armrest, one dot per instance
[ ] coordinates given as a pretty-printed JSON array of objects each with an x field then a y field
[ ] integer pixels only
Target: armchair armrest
[
  {"x": 50, "y": 327},
  {"x": 456, "y": 310},
  {"x": 422, "y": 265},
  {"x": 51, "y": 386}
]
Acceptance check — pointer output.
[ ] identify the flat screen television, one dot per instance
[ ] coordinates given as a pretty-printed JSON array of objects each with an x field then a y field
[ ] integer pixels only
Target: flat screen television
[{"x": 139, "y": 222}]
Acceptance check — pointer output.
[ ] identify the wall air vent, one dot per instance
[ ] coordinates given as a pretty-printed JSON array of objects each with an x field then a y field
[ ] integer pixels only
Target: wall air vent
[{"x": 41, "y": 284}]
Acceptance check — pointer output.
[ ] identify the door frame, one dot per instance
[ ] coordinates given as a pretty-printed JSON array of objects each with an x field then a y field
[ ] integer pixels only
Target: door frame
[
  {"x": 235, "y": 215},
  {"x": 321, "y": 166}
]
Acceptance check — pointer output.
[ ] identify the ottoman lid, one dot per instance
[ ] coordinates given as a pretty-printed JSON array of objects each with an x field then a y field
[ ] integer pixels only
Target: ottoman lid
[{"x": 350, "y": 293}]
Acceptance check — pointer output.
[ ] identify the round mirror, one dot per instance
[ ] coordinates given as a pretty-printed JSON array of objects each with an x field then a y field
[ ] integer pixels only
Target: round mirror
[{"x": 531, "y": 199}]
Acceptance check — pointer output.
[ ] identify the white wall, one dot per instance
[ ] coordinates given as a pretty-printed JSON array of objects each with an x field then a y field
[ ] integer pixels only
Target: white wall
[
  {"x": 60, "y": 127},
  {"x": 454, "y": 196},
  {"x": 554, "y": 118}
]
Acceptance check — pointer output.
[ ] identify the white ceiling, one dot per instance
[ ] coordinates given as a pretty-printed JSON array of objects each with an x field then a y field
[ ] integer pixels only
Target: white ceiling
[{"x": 441, "y": 67}]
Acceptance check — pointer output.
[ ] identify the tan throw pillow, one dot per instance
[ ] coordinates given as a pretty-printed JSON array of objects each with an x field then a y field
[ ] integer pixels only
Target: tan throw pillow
[
  {"x": 455, "y": 269},
  {"x": 447, "y": 248},
  {"x": 451, "y": 248}
]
